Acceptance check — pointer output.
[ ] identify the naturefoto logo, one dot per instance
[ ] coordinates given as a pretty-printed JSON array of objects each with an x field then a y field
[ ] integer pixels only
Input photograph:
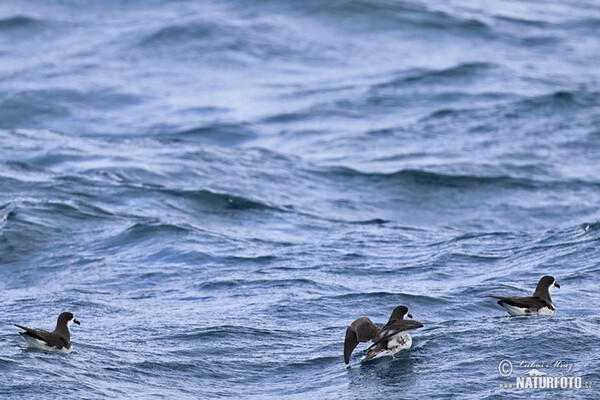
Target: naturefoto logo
[{"x": 541, "y": 375}]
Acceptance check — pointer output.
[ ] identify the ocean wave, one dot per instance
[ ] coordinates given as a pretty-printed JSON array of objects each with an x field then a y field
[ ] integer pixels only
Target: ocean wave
[
  {"x": 264, "y": 283},
  {"x": 240, "y": 42},
  {"x": 18, "y": 21},
  {"x": 397, "y": 15},
  {"x": 591, "y": 227},
  {"x": 493, "y": 237},
  {"x": 421, "y": 177},
  {"x": 257, "y": 259},
  {"x": 51, "y": 214},
  {"x": 146, "y": 183},
  {"x": 460, "y": 72},
  {"x": 160, "y": 368},
  {"x": 22, "y": 231},
  {"x": 310, "y": 363},
  {"x": 6, "y": 365},
  {"x": 295, "y": 116},
  {"x": 522, "y": 20},
  {"x": 227, "y": 331},
  {"x": 19, "y": 172},
  {"x": 512, "y": 106},
  {"x": 578, "y": 23},
  {"x": 175, "y": 34},
  {"x": 220, "y": 134},
  {"x": 394, "y": 299},
  {"x": 465, "y": 112},
  {"x": 560, "y": 100},
  {"x": 218, "y": 200},
  {"x": 20, "y": 107},
  {"x": 374, "y": 221},
  {"x": 172, "y": 254},
  {"x": 142, "y": 232}
]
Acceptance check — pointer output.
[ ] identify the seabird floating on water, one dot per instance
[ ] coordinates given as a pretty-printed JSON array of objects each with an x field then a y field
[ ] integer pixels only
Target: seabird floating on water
[
  {"x": 539, "y": 304},
  {"x": 57, "y": 340},
  {"x": 387, "y": 341}
]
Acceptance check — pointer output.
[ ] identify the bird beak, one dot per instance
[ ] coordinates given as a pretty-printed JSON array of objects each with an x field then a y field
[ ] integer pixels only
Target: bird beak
[
  {"x": 409, "y": 316},
  {"x": 557, "y": 285},
  {"x": 77, "y": 322}
]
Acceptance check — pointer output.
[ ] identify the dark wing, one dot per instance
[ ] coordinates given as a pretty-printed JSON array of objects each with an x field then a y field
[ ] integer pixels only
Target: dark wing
[
  {"x": 350, "y": 343},
  {"x": 394, "y": 327},
  {"x": 547, "y": 303},
  {"x": 50, "y": 338},
  {"x": 361, "y": 330},
  {"x": 375, "y": 349},
  {"x": 523, "y": 302}
]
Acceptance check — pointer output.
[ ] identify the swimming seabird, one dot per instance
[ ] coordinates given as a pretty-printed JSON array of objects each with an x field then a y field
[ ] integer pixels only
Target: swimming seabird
[
  {"x": 57, "y": 340},
  {"x": 539, "y": 304},
  {"x": 387, "y": 341}
]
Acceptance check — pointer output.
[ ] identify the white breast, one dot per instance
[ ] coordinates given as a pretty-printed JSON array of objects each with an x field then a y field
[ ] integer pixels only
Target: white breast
[
  {"x": 546, "y": 311},
  {"x": 39, "y": 344},
  {"x": 401, "y": 341},
  {"x": 517, "y": 311}
]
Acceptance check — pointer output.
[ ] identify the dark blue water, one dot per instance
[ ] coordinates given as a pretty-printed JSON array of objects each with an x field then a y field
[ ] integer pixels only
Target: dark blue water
[{"x": 217, "y": 189}]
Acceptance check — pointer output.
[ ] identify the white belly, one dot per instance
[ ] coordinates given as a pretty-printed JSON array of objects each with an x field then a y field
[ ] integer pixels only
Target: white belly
[
  {"x": 400, "y": 342},
  {"x": 517, "y": 311},
  {"x": 38, "y": 344},
  {"x": 546, "y": 311},
  {"x": 397, "y": 343}
]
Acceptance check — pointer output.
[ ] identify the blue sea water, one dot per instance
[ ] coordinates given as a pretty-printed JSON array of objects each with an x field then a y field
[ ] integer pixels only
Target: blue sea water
[{"x": 216, "y": 189}]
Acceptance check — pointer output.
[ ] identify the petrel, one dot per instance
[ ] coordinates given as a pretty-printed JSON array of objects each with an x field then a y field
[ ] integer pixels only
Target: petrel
[
  {"x": 387, "y": 341},
  {"x": 57, "y": 340},
  {"x": 539, "y": 304}
]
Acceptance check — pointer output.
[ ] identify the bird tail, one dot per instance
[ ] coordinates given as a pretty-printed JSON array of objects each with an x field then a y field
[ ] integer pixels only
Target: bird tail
[{"x": 501, "y": 300}]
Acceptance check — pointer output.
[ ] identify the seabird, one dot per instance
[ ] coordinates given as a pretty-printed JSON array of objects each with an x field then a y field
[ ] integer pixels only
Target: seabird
[
  {"x": 57, "y": 340},
  {"x": 539, "y": 304},
  {"x": 387, "y": 341}
]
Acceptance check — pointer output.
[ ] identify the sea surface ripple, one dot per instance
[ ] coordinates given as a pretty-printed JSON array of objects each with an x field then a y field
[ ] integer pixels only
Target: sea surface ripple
[{"x": 216, "y": 189}]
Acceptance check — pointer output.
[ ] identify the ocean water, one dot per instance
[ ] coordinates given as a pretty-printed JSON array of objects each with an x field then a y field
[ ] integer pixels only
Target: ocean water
[{"x": 216, "y": 189}]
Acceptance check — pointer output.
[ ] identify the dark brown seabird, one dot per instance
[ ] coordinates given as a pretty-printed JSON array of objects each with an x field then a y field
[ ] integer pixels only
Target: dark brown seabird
[
  {"x": 57, "y": 340},
  {"x": 539, "y": 304},
  {"x": 387, "y": 341}
]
